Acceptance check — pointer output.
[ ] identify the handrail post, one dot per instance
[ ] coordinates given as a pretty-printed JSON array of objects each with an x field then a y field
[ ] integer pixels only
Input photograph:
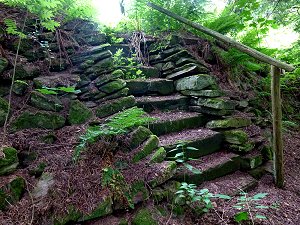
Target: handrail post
[{"x": 277, "y": 127}]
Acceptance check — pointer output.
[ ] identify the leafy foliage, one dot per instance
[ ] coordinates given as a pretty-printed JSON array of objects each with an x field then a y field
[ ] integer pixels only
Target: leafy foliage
[
  {"x": 118, "y": 124},
  {"x": 49, "y": 11},
  {"x": 11, "y": 28},
  {"x": 57, "y": 90}
]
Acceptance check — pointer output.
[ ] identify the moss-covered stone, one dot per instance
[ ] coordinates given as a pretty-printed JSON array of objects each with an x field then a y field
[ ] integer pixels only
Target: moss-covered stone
[
  {"x": 215, "y": 103},
  {"x": 3, "y": 110},
  {"x": 4, "y": 89},
  {"x": 251, "y": 161},
  {"x": 146, "y": 149},
  {"x": 57, "y": 80},
  {"x": 100, "y": 66},
  {"x": 105, "y": 78},
  {"x": 9, "y": 163},
  {"x": 38, "y": 171},
  {"x": 113, "y": 86},
  {"x": 149, "y": 86},
  {"x": 229, "y": 123},
  {"x": 246, "y": 147},
  {"x": 20, "y": 87},
  {"x": 3, "y": 64},
  {"x": 149, "y": 72},
  {"x": 166, "y": 171},
  {"x": 139, "y": 192},
  {"x": 26, "y": 71},
  {"x": 203, "y": 93},
  {"x": 138, "y": 136},
  {"x": 186, "y": 70},
  {"x": 158, "y": 156},
  {"x": 12, "y": 192},
  {"x": 79, "y": 113},
  {"x": 121, "y": 93},
  {"x": 45, "y": 102},
  {"x": 123, "y": 222},
  {"x": 49, "y": 138},
  {"x": 195, "y": 83},
  {"x": 44, "y": 120},
  {"x": 72, "y": 216},
  {"x": 237, "y": 137},
  {"x": 166, "y": 192},
  {"x": 105, "y": 207},
  {"x": 114, "y": 106},
  {"x": 211, "y": 111},
  {"x": 143, "y": 217}
]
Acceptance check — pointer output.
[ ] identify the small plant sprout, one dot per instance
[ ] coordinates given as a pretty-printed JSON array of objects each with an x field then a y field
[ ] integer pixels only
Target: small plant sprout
[{"x": 247, "y": 205}]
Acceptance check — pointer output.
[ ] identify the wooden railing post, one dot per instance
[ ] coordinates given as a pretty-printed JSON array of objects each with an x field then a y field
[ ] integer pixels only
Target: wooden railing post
[{"x": 277, "y": 127}]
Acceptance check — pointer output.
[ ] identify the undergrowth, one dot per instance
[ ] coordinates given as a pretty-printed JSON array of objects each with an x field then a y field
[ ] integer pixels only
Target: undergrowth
[{"x": 121, "y": 123}]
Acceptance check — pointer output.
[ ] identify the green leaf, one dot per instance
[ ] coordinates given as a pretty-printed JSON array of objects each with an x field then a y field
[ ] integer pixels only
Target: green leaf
[
  {"x": 192, "y": 169},
  {"x": 221, "y": 196},
  {"x": 47, "y": 92},
  {"x": 259, "y": 196},
  {"x": 261, "y": 207},
  {"x": 241, "y": 216}
]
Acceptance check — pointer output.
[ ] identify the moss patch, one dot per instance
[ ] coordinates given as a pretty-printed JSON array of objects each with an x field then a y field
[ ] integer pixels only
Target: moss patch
[
  {"x": 12, "y": 192},
  {"x": 45, "y": 120},
  {"x": 45, "y": 102},
  {"x": 104, "y": 208},
  {"x": 115, "y": 106},
  {"x": 138, "y": 136},
  {"x": 238, "y": 137},
  {"x": 146, "y": 149},
  {"x": 79, "y": 113},
  {"x": 159, "y": 155},
  {"x": 143, "y": 217},
  {"x": 9, "y": 163},
  {"x": 20, "y": 87},
  {"x": 228, "y": 123}
]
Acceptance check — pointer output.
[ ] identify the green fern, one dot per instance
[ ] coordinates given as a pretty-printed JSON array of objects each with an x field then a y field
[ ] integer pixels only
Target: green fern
[
  {"x": 11, "y": 28},
  {"x": 119, "y": 124}
]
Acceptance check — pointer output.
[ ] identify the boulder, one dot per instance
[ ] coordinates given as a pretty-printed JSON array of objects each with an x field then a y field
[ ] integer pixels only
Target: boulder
[
  {"x": 203, "y": 93},
  {"x": 57, "y": 80},
  {"x": 9, "y": 163},
  {"x": 144, "y": 217},
  {"x": 112, "y": 86},
  {"x": 27, "y": 71},
  {"x": 215, "y": 103},
  {"x": 195, "y": 83},
  {"x": 148, "y": 147},
  {"x": 20, "y": 87},
  {"x": 150, "y": 86},
  {"x": 105, "y": 78},
  {"x": 12, "y": 192},
  {"x": 44, "y": 120},
  {"x": 114, "y": 106},
  {"x": 45, "y": 102},
  {"x": 78, "y": 113},
  {"x": 237, "y": 137},
  {"x": 3, "y": 110},
  {"x": 186, "y": 70},
  {"x": 229, "y": 123}
]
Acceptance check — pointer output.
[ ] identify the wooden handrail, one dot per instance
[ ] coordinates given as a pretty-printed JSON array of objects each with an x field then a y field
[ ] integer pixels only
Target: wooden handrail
[{"x": 243, "y": 48}]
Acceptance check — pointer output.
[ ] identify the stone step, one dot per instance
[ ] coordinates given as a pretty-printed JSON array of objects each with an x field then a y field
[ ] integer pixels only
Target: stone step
[
  {"x": 231, "y": 184},
  {"x": 211, "y": 166},
  {"x": 163, "y": 103},
  {"x": 205, "y": 140},
  {"x": 174, "y": 121},
  {"x": 139, "y": 87}
]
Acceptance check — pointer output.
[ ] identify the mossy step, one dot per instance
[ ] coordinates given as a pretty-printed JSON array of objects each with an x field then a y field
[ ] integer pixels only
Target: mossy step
[
  {"x": 211, "y": 166},
  {"x": 205, "y": 140},
  {"x": 231, "y": 184},
  {"x": 187, "y": 70},
  {"x": 173, "y": 121},
  {"x": 158, "y": 86},
  {"x": 164, "y": 172},
  {"x": 169, "y": 102}
]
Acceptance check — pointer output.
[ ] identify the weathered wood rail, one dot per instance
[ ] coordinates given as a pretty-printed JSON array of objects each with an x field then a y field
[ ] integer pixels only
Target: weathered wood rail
[{"x": 276, "y": 69}]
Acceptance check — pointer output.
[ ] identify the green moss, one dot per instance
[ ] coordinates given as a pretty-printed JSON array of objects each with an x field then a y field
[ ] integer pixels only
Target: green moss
[
  {"x": 38, "y": 171},
  {"x": 143, "y": 217},
  {"x": 104, "y": 208},
  {"x": 45, "y": 102},
  {"x": 123, "y": 221},
  {"x": 158, "y": 156},
  {"x": 3, "y": 64},
  {"x": 147, "y": 148},
  {"x": 138, "y": 136},
  {"x": 72, "y": 217},
  {"x": 9, "y": 163},
  {"x": 228, "y": 123},
  {"x": 109, "y": 108},
  {"x": 49, "y": 138},
  {"x": 20, "y": 87},
  {"x": 165, "y": 174},
  {"x": 12, "y": 192},
  {"x": 45, "y": 120},
  {"x": 246, "y": 147},
  {"x": 138, "y": 192},
  {"x": 3, "y": 110},
  {"x": 236, "y": 137},
  {"x": 109, "y": 77},
  {"x": 113, "y": 86},
  {"x": 79, "y": 113},
  {"x": 216, "y": 103}
]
